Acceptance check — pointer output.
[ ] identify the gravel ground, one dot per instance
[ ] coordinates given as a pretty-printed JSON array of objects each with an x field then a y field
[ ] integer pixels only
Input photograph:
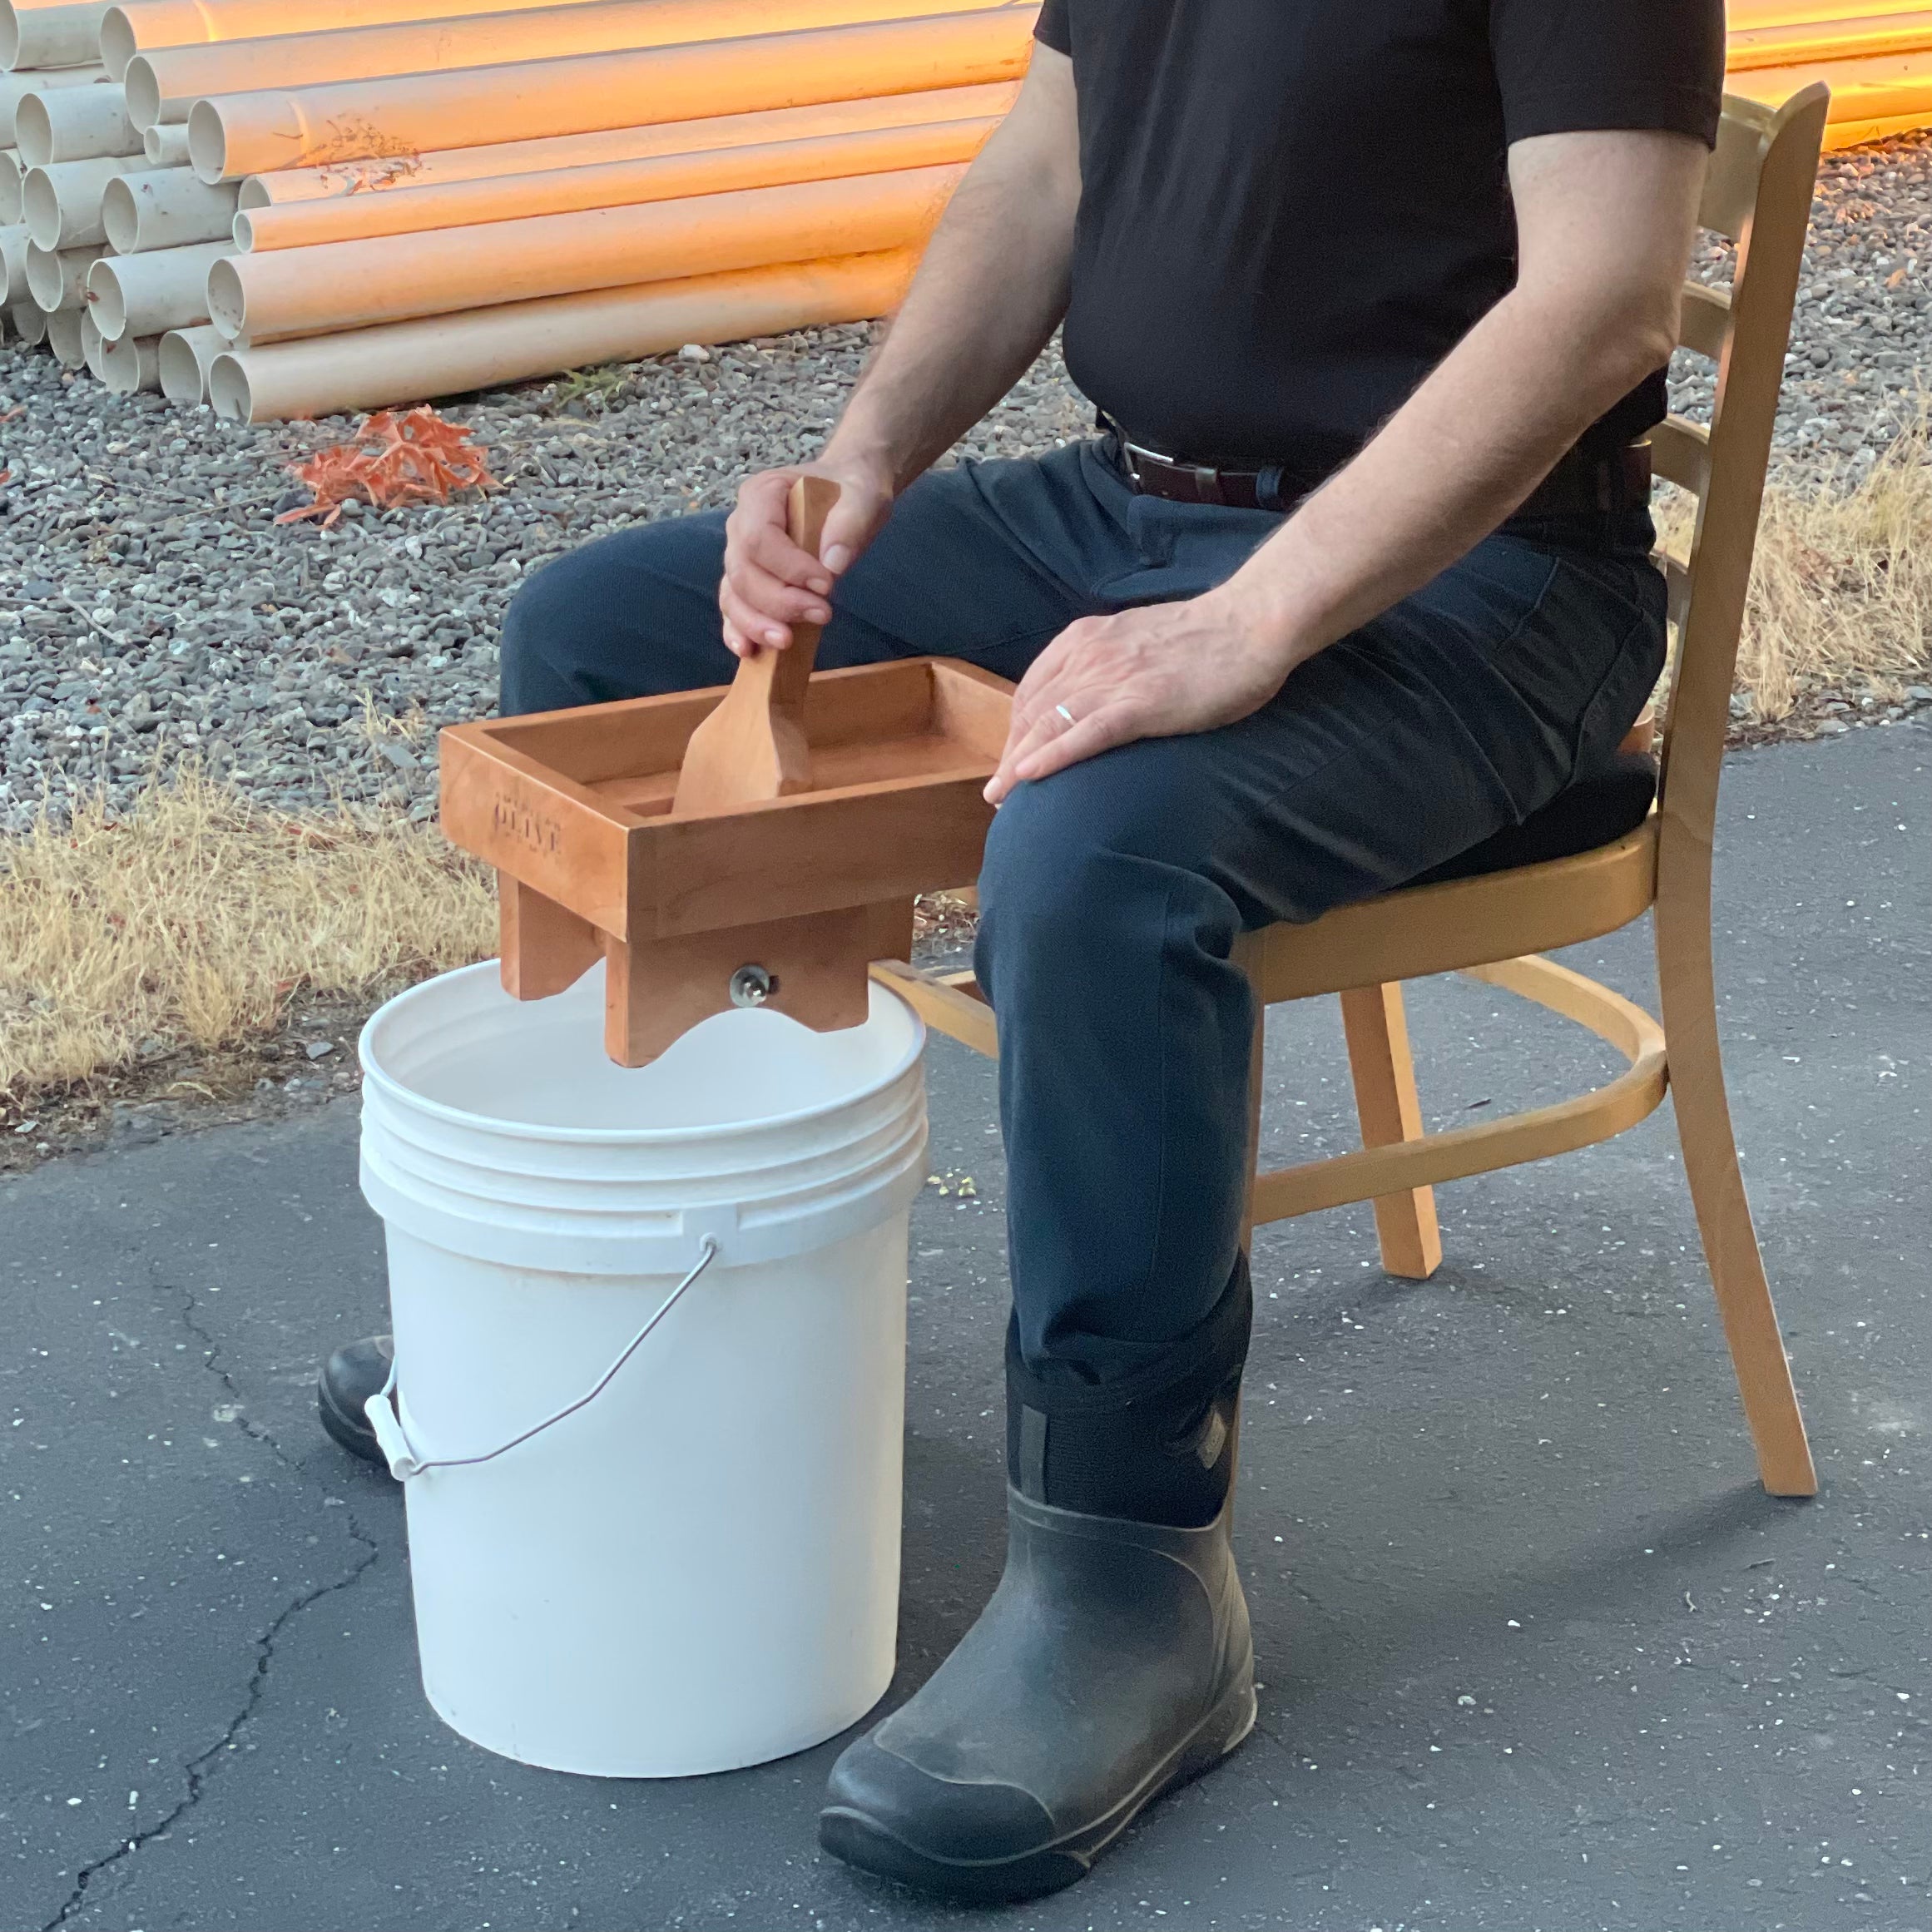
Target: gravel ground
[{"x": 150, "y": 608}]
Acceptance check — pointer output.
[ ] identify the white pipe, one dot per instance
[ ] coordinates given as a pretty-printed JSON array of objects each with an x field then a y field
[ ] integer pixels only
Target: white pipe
[
  {"x": 13, "y": 242},
  {"x": 166, "y": 147},
  {"x": 90, "y": 343},
  {"x": 58, "y": 280},
  {"x": 74, "y": 125},
  {"x": 14, "y": 88},
  {"x": 63, "y": 36},
  {"x": 164, "y": 208},
  {"x": 443, "y": 356},
  {"x": 12, "y": 174},
  {"x": 63, "y": 338},
  {"x": 184, "y": 359},
  {"x": 148, "y": 295},
  {"x": 131, "y": 363},
  {"x": 28, "y": 320},
  {"x": 61, "y": 205}
]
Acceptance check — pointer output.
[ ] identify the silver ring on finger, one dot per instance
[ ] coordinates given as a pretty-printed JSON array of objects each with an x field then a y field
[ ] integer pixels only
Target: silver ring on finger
[{"x": 1066, "y": 715}]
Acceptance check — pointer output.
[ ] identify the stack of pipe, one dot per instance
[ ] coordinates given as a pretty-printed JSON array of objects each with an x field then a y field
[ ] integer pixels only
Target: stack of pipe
[{"x": 293, "y": 207}]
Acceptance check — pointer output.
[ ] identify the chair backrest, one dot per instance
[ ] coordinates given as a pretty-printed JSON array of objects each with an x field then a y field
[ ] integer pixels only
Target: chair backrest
[{"x": 1758, "y": 193}]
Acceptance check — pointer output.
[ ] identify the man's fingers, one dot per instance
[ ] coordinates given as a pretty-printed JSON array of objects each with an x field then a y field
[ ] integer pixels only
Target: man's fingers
[
  {"x": 1099, "y": 733},
  {"x": 853, "y": 522},
  {"x": 1049, "y": 743},
  {"x": 770, "y": 548},
  {"x": 781, "y": 603},
  {"x": 755, "y": 628}
]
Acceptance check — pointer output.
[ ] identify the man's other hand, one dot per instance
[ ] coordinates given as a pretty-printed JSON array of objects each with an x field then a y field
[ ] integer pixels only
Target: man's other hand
[
  {"x": 1157, "y": 672},
  {"x": 770, "y": 584}
]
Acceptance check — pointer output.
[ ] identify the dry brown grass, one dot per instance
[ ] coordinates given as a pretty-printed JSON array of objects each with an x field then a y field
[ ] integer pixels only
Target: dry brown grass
[
  {"x": 1841, "y": 585},
  {"x": 191, "y": 919}
]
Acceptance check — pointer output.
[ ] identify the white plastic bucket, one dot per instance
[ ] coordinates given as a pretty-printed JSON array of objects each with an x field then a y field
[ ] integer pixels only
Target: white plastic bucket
[{"x": 698, "y": 1569}]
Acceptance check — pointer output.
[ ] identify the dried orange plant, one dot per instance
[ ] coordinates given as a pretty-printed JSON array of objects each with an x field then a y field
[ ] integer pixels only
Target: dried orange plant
[{"x": 391, "y": 460}]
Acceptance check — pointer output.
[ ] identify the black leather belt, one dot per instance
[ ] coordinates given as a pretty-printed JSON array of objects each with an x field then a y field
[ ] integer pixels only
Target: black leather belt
[{"x": 1580, "y": 484}]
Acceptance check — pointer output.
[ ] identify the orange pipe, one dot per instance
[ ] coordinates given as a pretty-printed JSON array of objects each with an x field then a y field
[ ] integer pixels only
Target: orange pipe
[
  {"x": 1830, "y": 38},
  {"x": 140, "y": 26},
  {"x": 349, "y": 284},
  {"x": 249, "y": 134},
  {"x": 407, "y": 362},
  {"x": 359, "y": 178},
  {"x": 615, "y": 185},
  {"x": 162, "y": 85}
]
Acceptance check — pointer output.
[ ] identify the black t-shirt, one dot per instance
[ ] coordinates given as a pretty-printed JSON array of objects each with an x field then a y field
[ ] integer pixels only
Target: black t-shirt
[{"x": 1291, "y": 210}]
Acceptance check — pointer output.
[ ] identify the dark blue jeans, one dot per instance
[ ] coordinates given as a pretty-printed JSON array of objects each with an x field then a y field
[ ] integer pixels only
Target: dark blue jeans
[{"x": 1112, "y": 892}]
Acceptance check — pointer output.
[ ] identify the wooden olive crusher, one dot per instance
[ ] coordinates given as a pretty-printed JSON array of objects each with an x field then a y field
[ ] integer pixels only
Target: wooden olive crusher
[
  {"x": 755, "y": 845},
  {"x": 784, "y": 854}
]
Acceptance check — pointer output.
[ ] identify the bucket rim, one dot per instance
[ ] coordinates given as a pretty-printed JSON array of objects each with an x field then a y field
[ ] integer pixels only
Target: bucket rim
[{"x": 388, "y": 1085}]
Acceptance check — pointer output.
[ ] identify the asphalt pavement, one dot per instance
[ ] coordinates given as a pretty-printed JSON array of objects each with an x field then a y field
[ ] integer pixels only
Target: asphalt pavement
[{"x": 1536, "y": 1650}]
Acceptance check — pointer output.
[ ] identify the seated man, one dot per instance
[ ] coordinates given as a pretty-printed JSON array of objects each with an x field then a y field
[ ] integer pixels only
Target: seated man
[{"x": 1374, "y": 299}]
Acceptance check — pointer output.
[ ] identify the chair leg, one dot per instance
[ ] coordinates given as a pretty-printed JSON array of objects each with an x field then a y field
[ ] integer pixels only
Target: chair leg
[
  {"x": 1247, "y": 957},
  {"x": 1697, "y": 1076},
  {"x": 1385, "y": 1075}
]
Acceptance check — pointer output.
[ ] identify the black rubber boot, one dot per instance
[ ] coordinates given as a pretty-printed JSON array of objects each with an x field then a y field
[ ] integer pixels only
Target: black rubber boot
[
  {"x": 1113, "y": 1662},
  {"x": 349, "y": 1378}
]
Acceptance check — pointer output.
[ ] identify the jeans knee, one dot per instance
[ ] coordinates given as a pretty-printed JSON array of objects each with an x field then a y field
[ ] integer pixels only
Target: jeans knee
[
  {"x": 632, "y": 614},
  {"x": 1089, "y": 864}
]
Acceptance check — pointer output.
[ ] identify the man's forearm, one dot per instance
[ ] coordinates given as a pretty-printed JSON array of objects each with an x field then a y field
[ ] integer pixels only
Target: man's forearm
[
  {"x": 1447, "y": 468},
  {"x": 990, "y": 291},
  {"x": 1591, "y": 317}
]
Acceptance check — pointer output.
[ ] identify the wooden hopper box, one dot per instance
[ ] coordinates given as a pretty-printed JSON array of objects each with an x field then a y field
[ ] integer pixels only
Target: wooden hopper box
[{"x": 780, "y": 900}]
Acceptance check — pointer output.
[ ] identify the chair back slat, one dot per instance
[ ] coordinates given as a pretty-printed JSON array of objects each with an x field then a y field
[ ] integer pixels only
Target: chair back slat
[
  {"x": 1758, "y": 192},
  {"x": 1680, "y": 452},
  {"x": 1731, "y": 181},
  {"x": 1706, "y": 325}
]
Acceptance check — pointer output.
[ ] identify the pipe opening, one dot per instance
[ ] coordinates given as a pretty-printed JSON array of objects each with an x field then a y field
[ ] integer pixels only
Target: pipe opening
[
  {"x": 109, "y": 299},
  {"x": 117, "y": 43},
  {"x": 228, "y": 388},
  {"x": 144, "y": 95},
  {"x": 63, "y": 336},
  {"x": 227, "y": 301},
  {"x": 9, "y": 35},
  {"x": 128, "y": 365},
  {"x": 244, "y": 231},
  {"x": 33, "y": 132},
  {"x": 207, "y": 143},
  {"x": 255, "y": 193},
  {"x": 29, "y": 321},
  {"x": 121, "y": 215},
  {"x": 44, "y": 276},
  {"x": 181, "y": 369},
  {"x": 40, "y": 208}
]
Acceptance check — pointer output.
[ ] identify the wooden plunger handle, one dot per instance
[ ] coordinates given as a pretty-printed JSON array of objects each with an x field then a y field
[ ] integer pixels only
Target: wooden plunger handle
[{"x": 753, "y": 746}]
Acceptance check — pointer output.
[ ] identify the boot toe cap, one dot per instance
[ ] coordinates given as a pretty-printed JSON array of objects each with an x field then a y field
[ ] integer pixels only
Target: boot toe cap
[{"x": 875, "y": 1792}]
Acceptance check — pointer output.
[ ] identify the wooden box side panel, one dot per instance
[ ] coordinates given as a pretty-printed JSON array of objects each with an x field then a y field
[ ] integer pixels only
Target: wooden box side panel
[
  {"x": 554, "y": 836},
  {"x": 809, "y": 854}
]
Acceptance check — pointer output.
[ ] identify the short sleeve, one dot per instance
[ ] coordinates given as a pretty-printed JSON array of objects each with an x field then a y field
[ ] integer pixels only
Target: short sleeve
[
  {"x": 1051, "y": 28},
  {"x": 1570, "y": 66}
]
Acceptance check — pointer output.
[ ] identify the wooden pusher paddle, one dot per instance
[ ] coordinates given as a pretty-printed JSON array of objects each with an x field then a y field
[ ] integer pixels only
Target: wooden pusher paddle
[{"x": 753, "y": 746}]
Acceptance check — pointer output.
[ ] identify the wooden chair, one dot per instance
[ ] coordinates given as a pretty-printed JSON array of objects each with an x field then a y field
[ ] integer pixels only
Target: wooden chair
[{"x": 1493, "y": 924}]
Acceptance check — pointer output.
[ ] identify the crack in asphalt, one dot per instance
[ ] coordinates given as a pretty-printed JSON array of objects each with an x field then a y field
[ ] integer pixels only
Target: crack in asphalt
[{"x": 200, "y": 1769}]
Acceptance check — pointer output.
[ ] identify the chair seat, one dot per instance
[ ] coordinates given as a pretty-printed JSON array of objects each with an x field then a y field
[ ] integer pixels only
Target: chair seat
[{"x": 1587, "y": 812}]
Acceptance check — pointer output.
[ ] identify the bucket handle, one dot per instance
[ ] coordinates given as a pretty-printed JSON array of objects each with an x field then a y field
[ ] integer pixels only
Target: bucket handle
[{"x": 385, "y": 1417}]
